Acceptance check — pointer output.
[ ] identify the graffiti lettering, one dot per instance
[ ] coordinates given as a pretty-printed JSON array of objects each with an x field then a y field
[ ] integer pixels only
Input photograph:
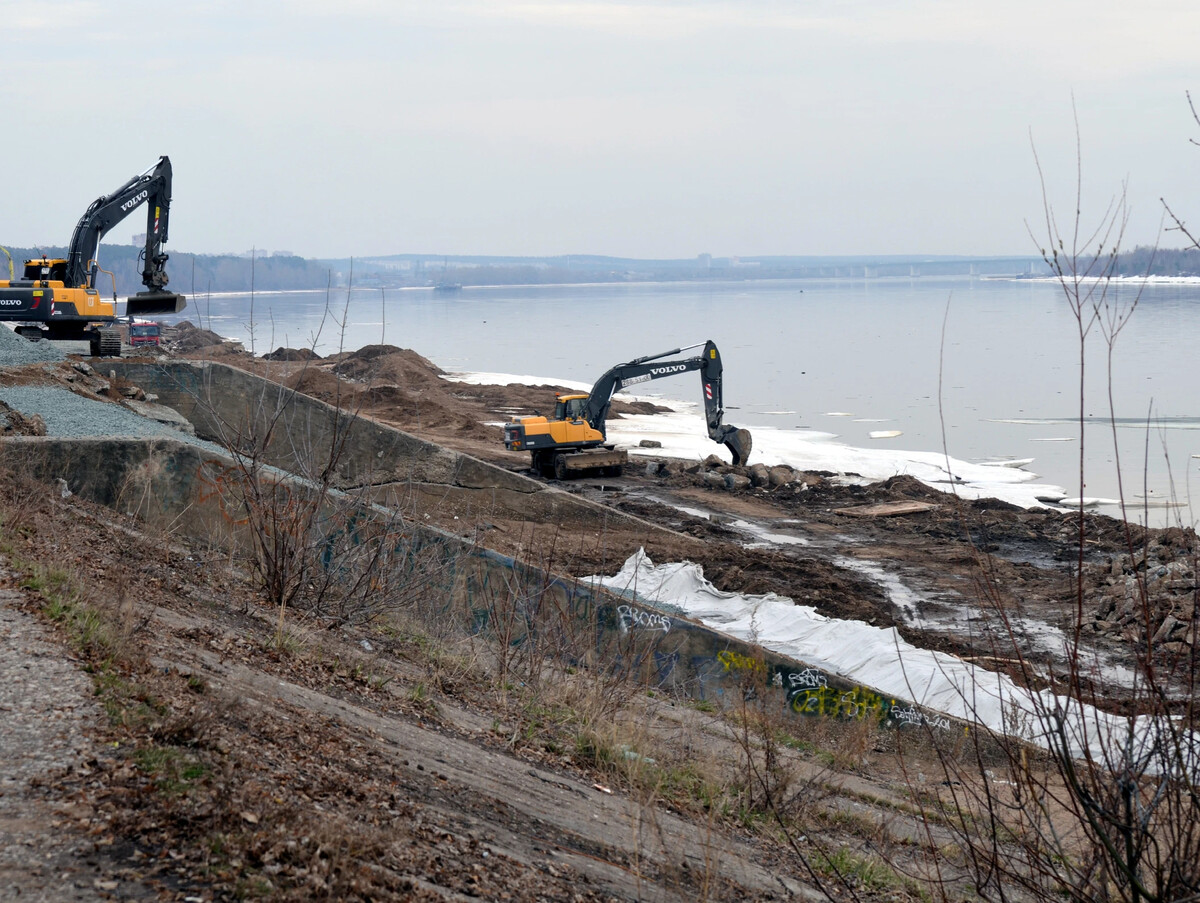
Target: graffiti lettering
[
  {"x": 914, "y": 716},
  {"x": 735, "y": 661},
  {"x": 628, "y": 616},
  {"x": 857, "y": 703},
  {"x": 808, "y": 679}
]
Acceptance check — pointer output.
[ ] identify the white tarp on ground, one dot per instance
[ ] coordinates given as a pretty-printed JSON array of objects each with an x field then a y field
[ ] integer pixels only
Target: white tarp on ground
[{"x": 874, "y": 657}]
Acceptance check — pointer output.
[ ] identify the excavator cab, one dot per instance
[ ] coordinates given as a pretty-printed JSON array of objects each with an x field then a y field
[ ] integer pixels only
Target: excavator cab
[
  {"x": 570, "y": 407},
  {"x": 44, "y": 269}
]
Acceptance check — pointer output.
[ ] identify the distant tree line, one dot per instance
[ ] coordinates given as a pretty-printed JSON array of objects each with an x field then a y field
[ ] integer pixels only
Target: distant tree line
[
  {"x": 193, "y": 273},
  {"x": 1148, "y": 260}
]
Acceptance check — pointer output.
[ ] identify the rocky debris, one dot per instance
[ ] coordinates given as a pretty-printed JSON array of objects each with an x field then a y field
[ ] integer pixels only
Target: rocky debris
[
  {"x": 14, "y": 423},
  {"x": 780, "y": 475},
  {"x": 718, "y": 474},
  {"x": 736, "y": 481},
  {"x": 134, "y": 393},
  {"x": 649, "y": 443},
  {"x": 161, "y": 414},
  {"x": 1148, "y": 596}
]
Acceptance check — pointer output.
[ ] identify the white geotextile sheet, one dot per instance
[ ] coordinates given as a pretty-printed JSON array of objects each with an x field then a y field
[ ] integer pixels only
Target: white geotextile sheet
[{"x": 874, "y": 657}]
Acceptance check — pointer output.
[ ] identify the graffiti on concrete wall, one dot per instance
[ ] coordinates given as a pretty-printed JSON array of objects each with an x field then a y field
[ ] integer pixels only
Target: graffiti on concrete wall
[
  {"x": 629, "y": 617},
  {"x": 738, "y": 663},
  {"x": 810, "y": 691},
  {"x": 856, "y": 703},
  {"x": 918, "y": 718},
  {"x": 808, "y": 679}
]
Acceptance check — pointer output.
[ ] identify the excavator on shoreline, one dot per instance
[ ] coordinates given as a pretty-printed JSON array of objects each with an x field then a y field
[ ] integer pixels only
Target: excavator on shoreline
[
  {"x": 574, "y": 439},
  {"x": 58, "y": 300}
]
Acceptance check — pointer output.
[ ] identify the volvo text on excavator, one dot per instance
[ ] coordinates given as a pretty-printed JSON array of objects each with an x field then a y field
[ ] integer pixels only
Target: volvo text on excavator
[
  {"x": 574, "y": 439},
  {"x": 58, "y": 298}
]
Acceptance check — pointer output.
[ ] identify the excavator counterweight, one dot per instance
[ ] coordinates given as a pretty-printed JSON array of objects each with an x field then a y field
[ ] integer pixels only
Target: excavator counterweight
[{"x": 575, "y": 440}]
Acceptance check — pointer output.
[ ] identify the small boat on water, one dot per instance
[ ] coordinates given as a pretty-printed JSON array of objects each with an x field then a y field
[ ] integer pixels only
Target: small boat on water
[{"x": 448, "y": 287}]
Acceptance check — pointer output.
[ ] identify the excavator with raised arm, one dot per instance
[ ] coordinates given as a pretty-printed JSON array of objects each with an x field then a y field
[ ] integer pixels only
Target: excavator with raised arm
[
  {"x": 574, "y": 439},
  {"x": 58, "y": 300}
]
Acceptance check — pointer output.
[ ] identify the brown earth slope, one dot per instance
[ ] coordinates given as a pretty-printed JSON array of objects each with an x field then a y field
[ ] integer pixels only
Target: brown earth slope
[{"x": 217, "y": 748}]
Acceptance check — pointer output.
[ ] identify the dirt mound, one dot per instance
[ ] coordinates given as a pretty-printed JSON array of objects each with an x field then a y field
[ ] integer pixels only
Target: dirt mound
[
  {"x": 386, "y": 363},
  {"x": 397, "y": 386},
  {"x": 189, "y": 338},
  {"x": 292, "y": 354}
]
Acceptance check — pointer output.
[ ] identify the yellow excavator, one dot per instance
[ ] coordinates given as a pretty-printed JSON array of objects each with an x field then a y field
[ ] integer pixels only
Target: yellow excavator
[
  {"x": 574, "y": 439},
  {"x": 58, "y": 300}
]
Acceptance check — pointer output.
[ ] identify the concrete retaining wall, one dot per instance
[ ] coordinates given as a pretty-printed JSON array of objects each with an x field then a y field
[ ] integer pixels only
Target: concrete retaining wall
[
  {"x": 298, "y": 434},
  {"x": 180, "y": 489}
]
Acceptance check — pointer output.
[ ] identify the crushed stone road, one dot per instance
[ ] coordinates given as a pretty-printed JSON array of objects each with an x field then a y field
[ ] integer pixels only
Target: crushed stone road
[{"x": 47, "y": 709}]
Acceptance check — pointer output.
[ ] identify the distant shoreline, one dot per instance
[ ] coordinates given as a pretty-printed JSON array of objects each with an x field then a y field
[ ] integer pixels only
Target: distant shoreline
[{"x": 430, "y": 289}]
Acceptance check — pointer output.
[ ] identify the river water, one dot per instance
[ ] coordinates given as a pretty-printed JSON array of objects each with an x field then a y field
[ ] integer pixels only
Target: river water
[{"x": 979, "y": 368}]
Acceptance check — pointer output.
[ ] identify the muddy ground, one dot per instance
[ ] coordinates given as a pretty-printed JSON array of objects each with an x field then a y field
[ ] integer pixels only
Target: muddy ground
[{"x": 974, "y": 578}]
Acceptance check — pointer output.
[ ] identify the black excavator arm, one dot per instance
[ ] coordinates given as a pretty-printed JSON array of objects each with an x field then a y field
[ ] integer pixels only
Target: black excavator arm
[
  {"x": 644, "y": 369},
  {"x": 152, "y": 188}
]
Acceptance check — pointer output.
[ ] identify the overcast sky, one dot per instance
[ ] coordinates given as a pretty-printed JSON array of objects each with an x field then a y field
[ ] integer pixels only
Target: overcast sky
[{"x": 647, "y": 128}]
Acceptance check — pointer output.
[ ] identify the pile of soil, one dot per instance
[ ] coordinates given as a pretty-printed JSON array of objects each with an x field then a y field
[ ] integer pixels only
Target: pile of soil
[{"x": 187, "y": 338}]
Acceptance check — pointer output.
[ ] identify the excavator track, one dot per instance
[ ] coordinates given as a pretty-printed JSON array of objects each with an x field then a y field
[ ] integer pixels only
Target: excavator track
[{"x": 105, "y": 343}]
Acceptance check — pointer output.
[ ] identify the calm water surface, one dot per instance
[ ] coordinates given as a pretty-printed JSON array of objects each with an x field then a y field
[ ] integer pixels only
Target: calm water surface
[{"x": 1004, "y": 381}]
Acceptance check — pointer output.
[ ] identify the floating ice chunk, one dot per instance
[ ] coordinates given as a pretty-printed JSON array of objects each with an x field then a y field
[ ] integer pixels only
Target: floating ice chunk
[
  {"x": 1007, "y": 462},
  {"x": 1087, "y": 502}
]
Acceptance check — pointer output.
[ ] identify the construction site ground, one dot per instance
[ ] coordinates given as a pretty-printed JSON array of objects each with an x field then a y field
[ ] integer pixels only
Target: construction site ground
[{"x": 169, "y": 736}]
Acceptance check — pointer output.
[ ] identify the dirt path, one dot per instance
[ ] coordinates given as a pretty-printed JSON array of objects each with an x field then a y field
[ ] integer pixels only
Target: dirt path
[{"x": 49, "y": 847}]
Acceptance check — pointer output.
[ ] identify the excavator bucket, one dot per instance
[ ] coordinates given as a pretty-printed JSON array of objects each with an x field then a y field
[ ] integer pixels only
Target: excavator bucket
[
  {"x": 739, "y": 443},
  {"x": 153, "y": 303}
]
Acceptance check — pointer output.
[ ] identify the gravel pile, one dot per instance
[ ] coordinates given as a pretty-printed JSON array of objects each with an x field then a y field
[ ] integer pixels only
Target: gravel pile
[
  {"x": 16, "y": 350},
  {"x": 68, "y": 415},
  {"x": 71, "y": 416}
]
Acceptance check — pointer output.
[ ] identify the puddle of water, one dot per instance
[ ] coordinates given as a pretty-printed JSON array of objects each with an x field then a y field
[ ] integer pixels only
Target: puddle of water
[
  {"x": 904, "y": 598},
  {"x": 762, "y": 536}
]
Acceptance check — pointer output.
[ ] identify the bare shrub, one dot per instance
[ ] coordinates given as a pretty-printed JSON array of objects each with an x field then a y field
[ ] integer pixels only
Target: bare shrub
[{"x": 1089, "y": 793}]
